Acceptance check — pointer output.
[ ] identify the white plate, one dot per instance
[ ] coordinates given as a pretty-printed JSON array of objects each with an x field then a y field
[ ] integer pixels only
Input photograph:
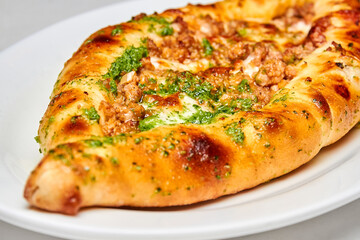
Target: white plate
[{"x": 28, "y": 72}]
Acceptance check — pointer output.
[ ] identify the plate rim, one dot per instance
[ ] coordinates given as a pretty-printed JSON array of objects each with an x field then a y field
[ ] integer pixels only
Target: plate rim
[{"x": 337, "y": 202}]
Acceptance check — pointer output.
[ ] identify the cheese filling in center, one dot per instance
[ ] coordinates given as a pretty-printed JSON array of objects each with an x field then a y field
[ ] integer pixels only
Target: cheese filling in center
[{"x": 200, "y": 71}]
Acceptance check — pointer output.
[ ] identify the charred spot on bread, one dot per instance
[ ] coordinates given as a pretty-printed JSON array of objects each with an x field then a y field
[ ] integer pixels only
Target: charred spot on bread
[
  {"x": 72, "y": 202},
  {"x": 65, "y": 99},
  {"x": 204, "y": 156},
  {"x": 354, "y": 34},
  {"x": 102, "y": 39},
  {"x": 321, "y": 103},
  {"x": 352, "y": 15},
  {"x": 272, "y": 124},
  {"x": 75, "y": 125},
  {"x": 342, "y": 90}
]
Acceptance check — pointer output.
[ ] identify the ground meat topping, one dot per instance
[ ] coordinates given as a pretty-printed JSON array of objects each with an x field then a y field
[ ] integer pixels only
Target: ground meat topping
[
  {"x": 121, "y": 118},
  {"x": 316, "y": 36},
  {"x": 295, "y": 16},
  {"x": 241, "y": 68},
  {"x": 124, "y": 114},
  {"x": 183, "y": 47}
]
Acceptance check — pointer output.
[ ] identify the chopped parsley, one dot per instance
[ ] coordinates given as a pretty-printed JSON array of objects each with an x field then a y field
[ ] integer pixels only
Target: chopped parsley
[
  {"x": 197, "y": 88},
  {"x": 170, "y": 87},
  {"x": 235, "y": 132},
  {"x": 166, "y": 31},
  {"x": 282, "y": 98},
  {"x": 190, "y": 84},
  {"x": 127, "y": 62},
  {"x": 152, "y": 80},
  {"x": 37, "y": 139},
  {"x": 92, "y": 114},
  {"x": 113, "y": 87},
  {"x": 150, "y": 122},
  {"x": 151, "y": 28},
  {"x": 201, "y": 91},
  {"x": 244, "y": 86},
  {"x": 51, "y": 119},
  {"x": 74, "y": 119},
  {"x": 242, "y": 32},
  {"x": 246, "y": 103},
  {"x": 138, "y": 140},
  {"x": 101, "y": 141},
  {"x": 116, "y": 31},
  {"x": 155, "y": 19},
  {"x": 93, "y": 143},
  {"x": 198, "y": 115},
  {"x": 236, "y": 105},
  {"x": 165, "y": 153},
  {"x": 208, "y": 49},
  {"x": 201, "y": 116},
  {"x": 114, "y": 160},
  {"x": 102, "y": 86}
]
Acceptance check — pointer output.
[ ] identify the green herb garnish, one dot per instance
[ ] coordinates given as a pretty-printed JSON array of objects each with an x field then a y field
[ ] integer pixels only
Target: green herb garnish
[
  {"x": 208, "y": 49},
  {"x": 127, "y": 62},
  {"x": 190, "y": 84},
  {"x": 166, "y": 31},
  {"x": 200, "y": 117},
  {"x": 93, "y": 143},
  {"x": 235, "y": 132},
  {"x": 113, "y": 87},
  {"x": 92, "y": 114},
  {"x": 244, "y": 86},
  {"x": 116, "y": 31},
  {"x": 242, "y": 32},
  {"x": 114, "y": 160},
  {"x": 153, "y": 18},
  {"x": 150, "y": 122},
  {"x": 138, "y": 140},
  {"x": 37, "y": 139}
]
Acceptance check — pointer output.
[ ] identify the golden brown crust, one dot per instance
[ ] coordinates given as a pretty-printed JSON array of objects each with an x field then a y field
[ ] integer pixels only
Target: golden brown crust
[{"x": 184, "y": 164}]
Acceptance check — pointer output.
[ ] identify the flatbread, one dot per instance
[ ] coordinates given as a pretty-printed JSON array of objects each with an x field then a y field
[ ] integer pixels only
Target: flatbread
[{"x": 198, "y": 102}]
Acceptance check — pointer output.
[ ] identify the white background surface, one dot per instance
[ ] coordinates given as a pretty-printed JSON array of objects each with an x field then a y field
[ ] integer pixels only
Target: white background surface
[{"x": 19, "y": 19}]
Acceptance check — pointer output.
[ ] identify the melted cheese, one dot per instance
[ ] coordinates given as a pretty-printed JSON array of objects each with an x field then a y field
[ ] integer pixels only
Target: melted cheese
[
  {"x": 177, "y": 114},
  {"x": 248, "y": 67},
  {"x": 127, "y": 77},
  {"x": 192, "y": 66},
  {"x": 300, "y": 26}
]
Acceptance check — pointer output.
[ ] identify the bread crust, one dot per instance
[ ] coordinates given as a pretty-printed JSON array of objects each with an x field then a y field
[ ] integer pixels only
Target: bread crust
[{"x": 316, "y": 108}]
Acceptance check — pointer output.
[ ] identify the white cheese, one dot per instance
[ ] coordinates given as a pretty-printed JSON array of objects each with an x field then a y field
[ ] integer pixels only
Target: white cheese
[
  {"x": 248, "y": 67},
  {"x": 174, "y": 115},
  {"x": 300, "y": 26},
  {"x": 127, "y": 77},
  {"x": 193, "y": 66}
]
